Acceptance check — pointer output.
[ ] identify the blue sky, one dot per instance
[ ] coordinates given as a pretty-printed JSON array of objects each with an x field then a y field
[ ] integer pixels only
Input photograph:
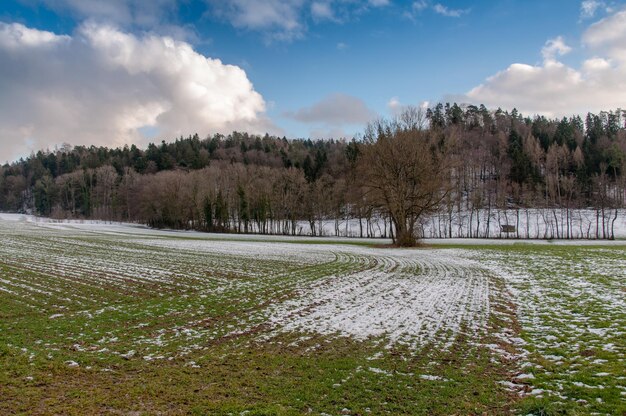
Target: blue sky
[{"x": 316, "y": 68}]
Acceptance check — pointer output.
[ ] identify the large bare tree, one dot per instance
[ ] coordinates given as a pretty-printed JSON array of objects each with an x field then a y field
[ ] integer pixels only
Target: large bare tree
[{"x": 406, "y": 171}]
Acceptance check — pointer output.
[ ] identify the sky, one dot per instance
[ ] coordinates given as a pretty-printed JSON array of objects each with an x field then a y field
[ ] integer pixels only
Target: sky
[{"x": 116, "y": 72}]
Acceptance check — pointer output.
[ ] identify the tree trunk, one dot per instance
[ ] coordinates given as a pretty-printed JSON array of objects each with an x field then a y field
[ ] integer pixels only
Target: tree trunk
[{"x": 404, "y": 235}]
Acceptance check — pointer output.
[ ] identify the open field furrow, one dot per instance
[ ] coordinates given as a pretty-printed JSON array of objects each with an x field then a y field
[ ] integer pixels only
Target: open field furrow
[
  {"x": 387, "y": 301},
  {"x": 332, "y": 326},
  {"x": 572, "y": 309}
]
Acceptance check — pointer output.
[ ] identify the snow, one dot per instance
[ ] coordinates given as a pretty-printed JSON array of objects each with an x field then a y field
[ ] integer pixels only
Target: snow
[
  {"x": 534, "y": 224},
  {"x": 411, "y": 297},
  {"x": 571, "y": 302},
  {"x": 379, "y": 371},
  {"x": 129, "y": 354},
  {"x": 418, "y": 298},
  {"x": 430, "y": 377}
]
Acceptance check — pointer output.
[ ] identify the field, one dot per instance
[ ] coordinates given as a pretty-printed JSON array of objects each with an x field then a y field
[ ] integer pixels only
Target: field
[{"x": 121, "y": 319}]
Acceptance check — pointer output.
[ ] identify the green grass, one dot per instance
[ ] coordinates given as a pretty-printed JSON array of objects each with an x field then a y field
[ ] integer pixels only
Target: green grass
[
  {"x": 572, "y": 306},
  {"x": 202, "y": 344}
]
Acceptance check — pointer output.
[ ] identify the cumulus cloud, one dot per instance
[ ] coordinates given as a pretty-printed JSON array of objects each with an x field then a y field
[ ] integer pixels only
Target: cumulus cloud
[
  {"x": 555, "y": 47},
  {"x": 608, "y": 36},
  {"x": 14, "y": 37},
  {"x": 104, "y": 86},
  {"x": 556, "y": 89},
  {"x": 335, "y": 110}
]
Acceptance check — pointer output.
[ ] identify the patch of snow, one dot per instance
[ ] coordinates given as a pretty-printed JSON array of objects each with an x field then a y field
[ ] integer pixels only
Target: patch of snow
[
  {"x": 431, "y": 377},
  {"x": 379, "y": 371},
  {"x": 410, "y": 297},
  {"x": 129, "y": 354}
]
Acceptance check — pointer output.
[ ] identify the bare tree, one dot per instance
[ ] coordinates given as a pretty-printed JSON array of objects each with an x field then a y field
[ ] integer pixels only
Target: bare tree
[
  {"x": 106, "y": 178},
  {"x": 407, "y": 172}
]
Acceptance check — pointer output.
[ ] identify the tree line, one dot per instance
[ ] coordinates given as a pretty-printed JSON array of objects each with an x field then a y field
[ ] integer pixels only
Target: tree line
[{"x": 448, "y": 160}]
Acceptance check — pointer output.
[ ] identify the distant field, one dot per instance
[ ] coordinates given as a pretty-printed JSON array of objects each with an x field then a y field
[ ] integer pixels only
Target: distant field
[{"x": 118, "y": 319}]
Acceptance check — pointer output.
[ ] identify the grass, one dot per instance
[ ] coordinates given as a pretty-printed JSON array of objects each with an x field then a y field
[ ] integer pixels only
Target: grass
[
  {"x": 267, "y": 379},
  {"x": 176, "y": 330},
  {"x": 571, "y": 302}
]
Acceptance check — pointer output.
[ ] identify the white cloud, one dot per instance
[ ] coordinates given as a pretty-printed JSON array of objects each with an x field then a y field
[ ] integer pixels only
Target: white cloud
[
  {"x": 342, "y": 46},
  {"x": 419, "y": 6},
  {"x": 445, "y": 11},
  {"x": 608, "y": 36},
  {"x": 288, "y": 20},
  {"x": 281, "y": 19},
  {"x": 394, "y": 105},
  {"x": 322, "y": 11},
  {"x": 335, "y": 110},
  {"x": 555, "y": 89},
  {"x": 588, "y": 8},
  {"x": 277, "y": 20},
  {"x": 555, "y": 47},
  {"x": 103, "y": 86},
  {"x": 595, "y": 66},
  {"x": 379, "y": 3},
  {"x": 123, "y": 12},
  {"x": 16, "y": 36},
  {"x": 158, "y": 16}
]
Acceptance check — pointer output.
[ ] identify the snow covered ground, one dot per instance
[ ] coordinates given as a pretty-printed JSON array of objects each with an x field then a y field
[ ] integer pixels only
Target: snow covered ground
[
  {"x": 131, "y": 229},
  {"x": 408, "y": 296},
  {"x": 572, "y": 308},
  {"x": 527, "y": 223},
  {"x": 405, "y": 296},
  {"x": 570, "y": 303}
]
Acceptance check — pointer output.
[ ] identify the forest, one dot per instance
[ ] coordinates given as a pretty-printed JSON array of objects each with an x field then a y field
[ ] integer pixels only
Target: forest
[{"x": 448, "y": 161}]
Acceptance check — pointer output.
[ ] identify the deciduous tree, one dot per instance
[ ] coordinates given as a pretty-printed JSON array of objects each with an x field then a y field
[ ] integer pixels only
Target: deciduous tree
[{"x": 407, "y": 171}]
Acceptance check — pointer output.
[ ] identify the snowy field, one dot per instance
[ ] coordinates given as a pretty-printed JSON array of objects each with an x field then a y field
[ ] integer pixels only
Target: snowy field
[
  {"x": 571, "y": 305},
  {"x": 545, "y": 320}
]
